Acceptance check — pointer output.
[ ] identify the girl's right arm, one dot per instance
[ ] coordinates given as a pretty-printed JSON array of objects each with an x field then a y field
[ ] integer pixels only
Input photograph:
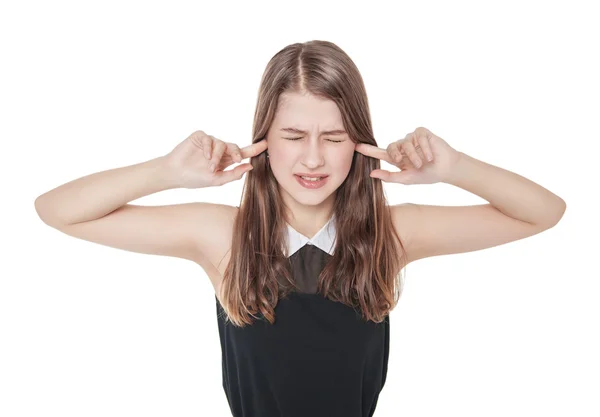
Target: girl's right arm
[
  {"x": 95, "y": 207},
  {"x": 96, "y": 195}
]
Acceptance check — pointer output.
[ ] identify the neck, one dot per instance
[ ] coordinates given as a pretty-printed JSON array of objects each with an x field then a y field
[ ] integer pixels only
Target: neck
[{"x": 309, "y": 222}]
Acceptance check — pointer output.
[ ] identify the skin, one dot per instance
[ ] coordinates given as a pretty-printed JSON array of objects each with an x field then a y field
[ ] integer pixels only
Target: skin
[{"x": 314, "y": 152}]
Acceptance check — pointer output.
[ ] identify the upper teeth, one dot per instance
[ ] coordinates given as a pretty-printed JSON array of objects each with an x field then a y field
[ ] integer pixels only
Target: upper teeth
[{"x": 311, "y": 178}]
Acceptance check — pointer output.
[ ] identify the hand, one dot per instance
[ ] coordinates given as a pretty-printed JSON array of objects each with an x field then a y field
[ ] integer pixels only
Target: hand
[
  {"x": 190, "y": 162},
  {"x": 410, "y": 155}
]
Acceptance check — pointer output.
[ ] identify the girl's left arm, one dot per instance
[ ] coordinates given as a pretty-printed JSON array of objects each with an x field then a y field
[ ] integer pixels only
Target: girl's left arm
[{"x": 512, "y": 194}]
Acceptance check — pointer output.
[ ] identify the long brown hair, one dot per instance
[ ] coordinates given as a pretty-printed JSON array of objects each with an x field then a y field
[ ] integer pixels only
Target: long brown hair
[{"x": 368, "y": 256}]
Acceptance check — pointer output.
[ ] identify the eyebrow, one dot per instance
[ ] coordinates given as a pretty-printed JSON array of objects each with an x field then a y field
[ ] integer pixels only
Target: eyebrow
[{"x": 325, "y": 132}]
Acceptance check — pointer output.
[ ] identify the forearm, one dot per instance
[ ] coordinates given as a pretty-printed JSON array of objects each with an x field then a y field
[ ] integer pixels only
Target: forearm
[
  {"x": 96, "y": 195},
  {"x": 512, "y": 194}
]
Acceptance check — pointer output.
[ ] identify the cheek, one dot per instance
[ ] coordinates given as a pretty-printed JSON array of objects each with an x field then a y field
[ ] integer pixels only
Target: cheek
[
  {"x": 280, "y": 165},
  {"x": 278, "y": 160},
  {"x": 343, "y": 162}
]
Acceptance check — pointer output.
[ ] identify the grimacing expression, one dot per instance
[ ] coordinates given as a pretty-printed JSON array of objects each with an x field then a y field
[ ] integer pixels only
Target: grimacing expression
[{"x": 307, "y": 136}]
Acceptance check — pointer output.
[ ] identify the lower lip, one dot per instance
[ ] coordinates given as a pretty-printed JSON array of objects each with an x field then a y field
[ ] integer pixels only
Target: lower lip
[{"x": 311, "y": 184}]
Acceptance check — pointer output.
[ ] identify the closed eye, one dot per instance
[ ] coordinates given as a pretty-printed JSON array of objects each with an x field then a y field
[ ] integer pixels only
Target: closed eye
[{"x": 336, "y": 141}]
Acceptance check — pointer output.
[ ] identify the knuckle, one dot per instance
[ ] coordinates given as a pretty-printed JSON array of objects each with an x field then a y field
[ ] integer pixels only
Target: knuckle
[{"x": 231, "y": 149}]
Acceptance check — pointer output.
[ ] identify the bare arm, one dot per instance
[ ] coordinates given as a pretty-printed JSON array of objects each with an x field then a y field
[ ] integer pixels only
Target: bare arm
[
  {"x": 96, "y": 195},
  {"x": 95, "y": 207}
]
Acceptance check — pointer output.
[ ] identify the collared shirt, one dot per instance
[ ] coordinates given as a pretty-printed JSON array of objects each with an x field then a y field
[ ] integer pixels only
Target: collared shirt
[
  {"x": 319, "y": 357},
  {"x": 324, "y": 239}
]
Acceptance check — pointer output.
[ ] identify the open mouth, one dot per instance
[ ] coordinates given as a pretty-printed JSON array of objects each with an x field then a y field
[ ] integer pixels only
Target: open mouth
[
  {"x": 310, "y": 178},
  {"x": 311, "y": 182}
]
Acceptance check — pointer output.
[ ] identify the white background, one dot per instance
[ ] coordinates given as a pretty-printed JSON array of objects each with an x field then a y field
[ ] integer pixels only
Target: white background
[{"x": 87, "y": 330}]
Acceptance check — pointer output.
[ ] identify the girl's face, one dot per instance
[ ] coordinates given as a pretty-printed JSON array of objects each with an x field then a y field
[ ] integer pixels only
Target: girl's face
[{"x": 307, "y": 136}]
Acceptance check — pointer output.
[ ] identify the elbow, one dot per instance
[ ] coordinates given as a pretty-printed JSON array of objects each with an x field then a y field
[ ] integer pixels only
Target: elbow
[
  {"x": 38, "y": 206},
  {"x": 39, "y": 210},
  {"x": 42, "y": 212},
  {"x": 558, "y": 213},
  {"x": 561, "y": 210}
]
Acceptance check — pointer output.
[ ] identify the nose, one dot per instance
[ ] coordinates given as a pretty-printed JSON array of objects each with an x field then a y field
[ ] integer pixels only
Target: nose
[{"x": 313, "y": 154}]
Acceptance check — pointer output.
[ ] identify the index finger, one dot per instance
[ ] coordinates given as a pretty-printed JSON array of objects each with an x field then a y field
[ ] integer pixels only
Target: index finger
[
  {"x": 373, "y": 151},
  {"x": 254, "y": 149}
]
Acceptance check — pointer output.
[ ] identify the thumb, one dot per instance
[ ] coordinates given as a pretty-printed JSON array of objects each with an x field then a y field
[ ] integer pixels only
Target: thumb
[
  {"x": 400, "y": 177},
  {"x": 235, "y": 174},
  {"x": 381, "y": 174}
]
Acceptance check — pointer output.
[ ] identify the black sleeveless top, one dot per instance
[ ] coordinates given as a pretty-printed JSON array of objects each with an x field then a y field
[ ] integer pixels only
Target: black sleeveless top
[{"x": 319, "y": 359}]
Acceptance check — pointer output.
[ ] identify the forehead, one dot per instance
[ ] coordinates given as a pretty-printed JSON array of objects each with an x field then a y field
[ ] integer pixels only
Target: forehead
[{"x": 306, "y": 111}]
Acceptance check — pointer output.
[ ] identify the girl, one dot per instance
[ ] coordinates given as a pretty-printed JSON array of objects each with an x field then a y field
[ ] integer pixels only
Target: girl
[{"x": 306, "y": 270}]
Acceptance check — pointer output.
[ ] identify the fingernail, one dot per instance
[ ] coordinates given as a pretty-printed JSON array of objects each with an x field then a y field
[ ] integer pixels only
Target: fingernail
[{"x": 212, "y": 167}]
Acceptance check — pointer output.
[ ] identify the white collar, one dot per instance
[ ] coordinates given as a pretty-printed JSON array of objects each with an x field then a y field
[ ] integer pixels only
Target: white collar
[{"x": 324, "y": 239}]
